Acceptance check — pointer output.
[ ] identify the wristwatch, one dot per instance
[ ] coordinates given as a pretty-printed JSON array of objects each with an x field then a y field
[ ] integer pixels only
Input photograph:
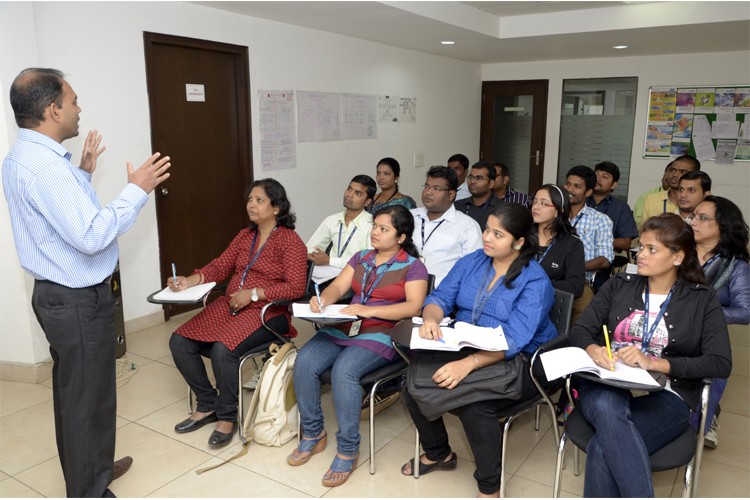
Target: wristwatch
[{"x": 254, "y": 295}]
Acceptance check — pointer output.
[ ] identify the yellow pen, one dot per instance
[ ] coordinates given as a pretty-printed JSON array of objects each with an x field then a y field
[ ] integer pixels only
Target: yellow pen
[{"x": 609, "y": 348}]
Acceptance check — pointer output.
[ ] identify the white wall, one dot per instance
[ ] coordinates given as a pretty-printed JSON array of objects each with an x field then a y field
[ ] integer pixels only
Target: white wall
[
  {"x": 99, "y": 45},
  {"x": 684, "y": 70}
]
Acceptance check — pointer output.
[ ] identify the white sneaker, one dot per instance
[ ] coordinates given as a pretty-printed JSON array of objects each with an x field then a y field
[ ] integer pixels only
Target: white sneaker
[
  {"x": 252, "y": 384},
  {"x": 711, "y": 439}
]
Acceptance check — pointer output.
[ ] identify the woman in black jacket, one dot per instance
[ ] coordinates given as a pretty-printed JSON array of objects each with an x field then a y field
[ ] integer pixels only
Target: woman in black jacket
[
  {"x": 684, "y": 336},
  {"x": 560, "y": 251}
]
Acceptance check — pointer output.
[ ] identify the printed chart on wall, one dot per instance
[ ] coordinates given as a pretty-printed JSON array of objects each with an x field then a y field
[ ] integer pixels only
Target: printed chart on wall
[{"x": 710, "y": 123}]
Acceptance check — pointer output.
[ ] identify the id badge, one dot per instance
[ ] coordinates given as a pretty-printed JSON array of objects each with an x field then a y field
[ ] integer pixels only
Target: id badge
[
  {"x": 354, "y": 330},
  {"x": 637, "y": 394}
]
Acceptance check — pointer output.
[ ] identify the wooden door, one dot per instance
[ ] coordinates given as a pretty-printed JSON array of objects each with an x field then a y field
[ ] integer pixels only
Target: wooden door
[
  {"x": 206, "y": 132},
  {"x": 514, "y": 120}
]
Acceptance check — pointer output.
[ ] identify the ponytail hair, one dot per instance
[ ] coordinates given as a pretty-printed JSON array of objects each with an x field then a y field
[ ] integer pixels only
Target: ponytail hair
[
  {"x": 673, "y": 233},
  {"x": 403, "y": 223},
  {"x": 517, "y": 220}
]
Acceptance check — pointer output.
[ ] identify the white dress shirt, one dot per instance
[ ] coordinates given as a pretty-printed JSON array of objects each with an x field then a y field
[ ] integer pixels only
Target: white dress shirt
[
  {"x": 462, "y": 192},
  {"x": 441, "y": 242},
  {"x": 345, "y": 242}
]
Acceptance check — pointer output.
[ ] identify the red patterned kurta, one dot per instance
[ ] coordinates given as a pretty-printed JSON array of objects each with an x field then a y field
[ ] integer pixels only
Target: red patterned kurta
[{"x": 280, "y": 270}]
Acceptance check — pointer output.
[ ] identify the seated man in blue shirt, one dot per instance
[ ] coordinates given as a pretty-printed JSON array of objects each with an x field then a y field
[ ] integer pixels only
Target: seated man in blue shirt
[
  {"x": 624, "y": 228},
  {"x": 502, "y": 189}
]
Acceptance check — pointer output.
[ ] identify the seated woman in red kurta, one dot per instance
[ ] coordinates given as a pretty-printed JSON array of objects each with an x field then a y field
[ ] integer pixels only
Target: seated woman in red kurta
[{"x": 267, "y": 261}]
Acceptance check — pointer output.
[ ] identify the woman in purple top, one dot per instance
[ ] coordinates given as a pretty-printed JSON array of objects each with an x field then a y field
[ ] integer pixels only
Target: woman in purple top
[{"x": 389, "y": 284}]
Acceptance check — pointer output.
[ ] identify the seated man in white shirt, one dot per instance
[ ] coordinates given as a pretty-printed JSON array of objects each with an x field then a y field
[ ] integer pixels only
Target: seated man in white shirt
[
  {"x": 347, "y": 232},
  {"x": 441, "y": 234}
]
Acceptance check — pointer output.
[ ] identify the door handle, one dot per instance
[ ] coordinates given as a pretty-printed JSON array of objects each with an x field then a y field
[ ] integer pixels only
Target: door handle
[
  {"x": 537, "y": 156},
  {"x": 165, "y": 191}
]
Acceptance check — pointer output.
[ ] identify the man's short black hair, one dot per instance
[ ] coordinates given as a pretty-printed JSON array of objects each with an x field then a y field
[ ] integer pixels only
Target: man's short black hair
[
  {"x": 585, "y": 173},
  {"x": 503, "y": 168},
  {"x": 441, "y": 172},
  {"x": 491, "y": 173},
  {"x": 690, "y": 160},
  {"x": 32, "y": 91},
  {"x": 368, "y": 182},
  {"x": 610, "y": 168},
  {"x": 461, "y": 159},
  {"x": 700, "y": 175}
]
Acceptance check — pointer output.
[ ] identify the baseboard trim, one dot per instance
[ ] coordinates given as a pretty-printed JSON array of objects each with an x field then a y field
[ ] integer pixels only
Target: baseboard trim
[
  {"x": 26, "y": 373},
  {"x": 143, "y": 322}
]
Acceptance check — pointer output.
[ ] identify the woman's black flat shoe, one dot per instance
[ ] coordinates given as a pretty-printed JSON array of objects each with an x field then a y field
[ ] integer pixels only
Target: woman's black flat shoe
[
  {"x": 189, "y": 425},
  {"x": 220, "y": 439},
  {"x": 448, "y": 463}
]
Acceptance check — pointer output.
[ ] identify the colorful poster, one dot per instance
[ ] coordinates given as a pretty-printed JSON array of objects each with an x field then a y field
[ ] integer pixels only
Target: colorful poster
[
  {"x": 686, "y": 100},
  {"x": 724, "y": 101}
]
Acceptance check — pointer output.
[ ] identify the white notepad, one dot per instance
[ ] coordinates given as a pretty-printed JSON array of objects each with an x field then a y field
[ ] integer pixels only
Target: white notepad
[{"x": 192, "y": 294}]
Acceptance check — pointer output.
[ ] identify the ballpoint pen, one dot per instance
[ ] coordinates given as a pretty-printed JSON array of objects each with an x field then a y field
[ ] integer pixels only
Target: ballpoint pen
[
  {"x": 317, "y": 293},
  {"x": 174, "y": 275}
]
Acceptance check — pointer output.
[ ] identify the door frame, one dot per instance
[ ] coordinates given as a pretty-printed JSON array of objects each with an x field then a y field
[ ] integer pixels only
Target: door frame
[
  {"x": 538, "y": 88},
  {"x": 244, "y": 125}
]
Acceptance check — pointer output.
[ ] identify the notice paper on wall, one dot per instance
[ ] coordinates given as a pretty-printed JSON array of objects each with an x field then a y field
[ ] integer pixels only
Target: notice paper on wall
[
  {"x": 278, "y": 142},
  {"x": 318, "y": 116},
  {"x": 360, "y": 116}
]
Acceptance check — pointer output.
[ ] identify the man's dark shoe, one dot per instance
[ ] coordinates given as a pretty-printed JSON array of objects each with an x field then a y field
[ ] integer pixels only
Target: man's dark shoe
[
  {"x": 189, "y": 425},
  {"x": 120, "y": 467}
]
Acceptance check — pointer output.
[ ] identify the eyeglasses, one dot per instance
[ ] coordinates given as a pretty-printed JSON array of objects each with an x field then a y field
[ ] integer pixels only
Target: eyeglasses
[
  {"x": 479, "y": 178},
  {"x": 701, "y": 218},
  {"x": 436, "y": 189},
  {"x": 681, "y": 171},
  {"x": 541, "y": 203}
]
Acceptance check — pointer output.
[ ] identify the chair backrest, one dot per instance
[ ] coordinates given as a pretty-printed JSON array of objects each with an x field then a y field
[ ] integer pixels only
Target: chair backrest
[
  {"x": 309, "y": 285},
  {"x": 561, "y": 311},
  {"x": 430, "y": 283}
]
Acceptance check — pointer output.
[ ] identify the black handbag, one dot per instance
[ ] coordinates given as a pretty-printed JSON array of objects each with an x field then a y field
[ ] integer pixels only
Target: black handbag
[{"x": 499, "y": 380}]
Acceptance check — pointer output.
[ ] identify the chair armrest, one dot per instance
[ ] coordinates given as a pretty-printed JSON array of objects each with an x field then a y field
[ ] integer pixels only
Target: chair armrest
[{"x": 275, "y": 303}]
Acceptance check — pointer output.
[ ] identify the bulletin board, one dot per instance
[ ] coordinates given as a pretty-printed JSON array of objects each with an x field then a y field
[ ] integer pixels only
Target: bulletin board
[{"x": 710, "y": 123}]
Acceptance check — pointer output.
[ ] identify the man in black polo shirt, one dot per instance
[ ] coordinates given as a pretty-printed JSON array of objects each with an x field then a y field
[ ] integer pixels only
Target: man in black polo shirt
[{"x": 482, "y": 201}]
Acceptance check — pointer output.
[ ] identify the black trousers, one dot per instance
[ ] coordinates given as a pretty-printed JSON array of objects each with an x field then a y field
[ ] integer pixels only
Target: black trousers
[
  {"x": 79, "y": 325},
  {"x": 483, "y": 431}
]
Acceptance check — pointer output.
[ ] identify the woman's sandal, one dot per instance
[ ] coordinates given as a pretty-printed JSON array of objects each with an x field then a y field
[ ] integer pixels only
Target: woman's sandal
[
  {"x": 309, "y": 445},
  {"x": 448, "y": 463},
  {"x": 340, "y": 465}
]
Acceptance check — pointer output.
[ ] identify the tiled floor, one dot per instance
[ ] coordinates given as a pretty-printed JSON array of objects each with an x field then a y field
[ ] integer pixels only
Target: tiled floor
[{"x": 154, "y": 399}]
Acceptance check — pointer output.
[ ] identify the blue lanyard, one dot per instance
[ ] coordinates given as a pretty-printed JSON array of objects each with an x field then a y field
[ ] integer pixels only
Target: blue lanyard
[
  {"x": 664, "y": 208},
  {"x": 252, "y": 247},
  {"x": 424, "y": 241},
  {"x": 648, "y": 333},
  {"x": 578, "y": 218},
  {"x": 483, "y": 295},
  {"x": 710, "y": 261},
  {"x": 549, "y": 247},
  {"x": 338, "y": 246},
  {"x": 365, "y": 293}
]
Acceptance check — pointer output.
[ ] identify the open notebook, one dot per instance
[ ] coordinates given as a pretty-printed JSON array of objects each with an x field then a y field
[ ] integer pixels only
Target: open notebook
[
  {"x": 460, "y": 336},
  {"x": 566, "y": 360},
  {"x": 192, "y": 294}
]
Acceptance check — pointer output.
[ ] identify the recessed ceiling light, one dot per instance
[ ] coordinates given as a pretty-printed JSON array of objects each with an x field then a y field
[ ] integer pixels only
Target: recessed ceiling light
[
  {"x": 620, "y": 47},
  {"x": 448, "y": 42}
]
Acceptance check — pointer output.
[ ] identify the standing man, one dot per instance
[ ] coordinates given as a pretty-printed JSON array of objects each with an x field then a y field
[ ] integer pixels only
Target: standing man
[
  {"x": 347, "y": 232},
  {"x": 666, "y": 201},
  {"x": 502, "y": 189},
  {"x": 68, "y": 243},
  {"x": 441, "y": 234},
  {"x": 482, "y": 202},
  {"x": 460, "y": 164},
  {"x": 594, "y": 229},
  {"x": 694, "y": 186}
]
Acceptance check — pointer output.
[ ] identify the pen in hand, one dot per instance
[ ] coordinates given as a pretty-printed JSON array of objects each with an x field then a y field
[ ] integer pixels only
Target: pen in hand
[
  {"x": 317, "y": 293},
  {"x": 174, "y": 276},
  {"x": 609, "y": 348}
]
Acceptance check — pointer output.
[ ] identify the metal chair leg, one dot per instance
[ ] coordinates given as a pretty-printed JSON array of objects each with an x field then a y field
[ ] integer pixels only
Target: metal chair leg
[
  {"x": 537, "y": 417},
  {"x": 190, "y": 401},
  {"x": 576, "y": 462},
  {"x": 241, "y": 400},
  {"x": 503, "y": 447},
  {"x": 558, "y": 467},
  {"x": 415, "y": 469},
  {"x": 372, "y": 426}
]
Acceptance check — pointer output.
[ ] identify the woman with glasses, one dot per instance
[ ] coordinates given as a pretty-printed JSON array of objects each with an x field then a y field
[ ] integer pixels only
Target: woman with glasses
[
  {"x": 387, "y": 173},
  {"x": 560, "y": 251},
  {"x": 721, "y": 236}
]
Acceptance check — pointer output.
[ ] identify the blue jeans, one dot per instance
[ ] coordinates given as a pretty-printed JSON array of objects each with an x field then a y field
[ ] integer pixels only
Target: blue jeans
[
  {"x": 349, "y": 365},
  {"x": 628, "y": 430}
]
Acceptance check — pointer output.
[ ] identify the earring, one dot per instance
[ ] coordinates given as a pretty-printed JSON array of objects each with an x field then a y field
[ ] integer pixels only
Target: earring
[
  {"x": 677, "y": 263},
  {"x": 276, "y": 213},
  {"x": 518, "y": 247}
]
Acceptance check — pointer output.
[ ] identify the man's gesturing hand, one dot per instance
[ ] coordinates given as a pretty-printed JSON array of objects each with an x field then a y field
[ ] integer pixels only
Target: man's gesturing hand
[{"x": 151, "y": 173}]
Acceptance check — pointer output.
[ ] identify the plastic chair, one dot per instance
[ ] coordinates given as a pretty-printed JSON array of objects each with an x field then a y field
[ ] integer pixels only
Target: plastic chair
[{"x": 687, "y": 449}]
